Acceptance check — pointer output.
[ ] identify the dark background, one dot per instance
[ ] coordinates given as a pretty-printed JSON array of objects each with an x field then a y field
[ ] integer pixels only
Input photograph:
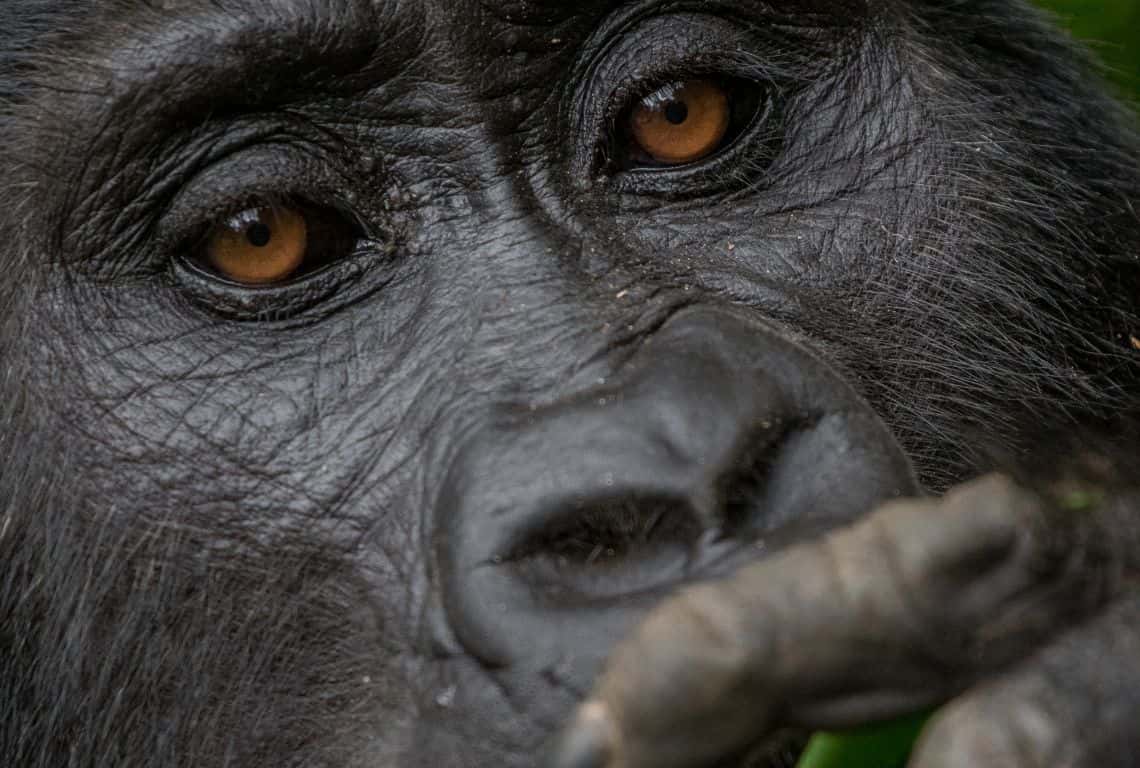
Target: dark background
[{"x": 1112, "y": 27}]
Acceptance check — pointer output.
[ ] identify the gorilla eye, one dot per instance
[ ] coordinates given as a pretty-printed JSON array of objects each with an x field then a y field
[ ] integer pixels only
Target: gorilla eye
[
  {"x": 687, "y": 121},
  {"x": 271, "y": 244}
]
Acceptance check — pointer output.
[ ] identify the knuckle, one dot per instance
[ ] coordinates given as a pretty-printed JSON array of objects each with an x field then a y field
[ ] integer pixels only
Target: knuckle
[{"x": 991, "y": 731}]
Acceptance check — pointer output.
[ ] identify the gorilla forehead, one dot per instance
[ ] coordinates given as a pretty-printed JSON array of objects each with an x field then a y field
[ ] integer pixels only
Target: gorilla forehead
[{"x": 186, "y": 50}]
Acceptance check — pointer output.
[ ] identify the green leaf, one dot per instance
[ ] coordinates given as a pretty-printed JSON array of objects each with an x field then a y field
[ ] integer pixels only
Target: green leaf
[
  {"x": 884, "y": 745},
  {"x": 1082, "y": 499}
]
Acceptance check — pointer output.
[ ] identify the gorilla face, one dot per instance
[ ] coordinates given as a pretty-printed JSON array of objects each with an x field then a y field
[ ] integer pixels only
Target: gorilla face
[{"x": 371, "y": 368}]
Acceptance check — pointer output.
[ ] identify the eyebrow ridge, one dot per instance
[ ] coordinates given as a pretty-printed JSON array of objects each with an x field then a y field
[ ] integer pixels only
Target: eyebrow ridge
[{"x": 260, "y": 56}]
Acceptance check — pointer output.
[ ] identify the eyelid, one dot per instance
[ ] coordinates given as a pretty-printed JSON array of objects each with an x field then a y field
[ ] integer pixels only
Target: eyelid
[
  {"x": 265, "y": 174},
  {"x": 706, "y": 45}
]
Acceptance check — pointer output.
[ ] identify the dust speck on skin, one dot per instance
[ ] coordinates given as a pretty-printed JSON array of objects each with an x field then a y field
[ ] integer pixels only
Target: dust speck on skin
[{"x": 446, "y": 697}]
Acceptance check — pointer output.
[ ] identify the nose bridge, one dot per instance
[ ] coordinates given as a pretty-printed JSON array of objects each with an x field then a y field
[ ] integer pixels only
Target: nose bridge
[
  {"x": 547, "y": 314},
  {"x": 520, "y": 270}
]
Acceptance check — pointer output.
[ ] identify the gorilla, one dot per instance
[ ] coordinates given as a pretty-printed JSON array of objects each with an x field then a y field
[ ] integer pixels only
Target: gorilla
[{"x": 616, "y": 383}]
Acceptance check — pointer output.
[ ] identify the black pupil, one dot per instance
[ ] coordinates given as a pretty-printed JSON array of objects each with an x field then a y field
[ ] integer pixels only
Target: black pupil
[
  {"x": 676, "y": 112},
  {"x": 259, "y": 235}
]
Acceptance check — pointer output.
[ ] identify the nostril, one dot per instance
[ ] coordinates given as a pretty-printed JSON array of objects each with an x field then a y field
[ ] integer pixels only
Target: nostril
[
  {"x": 588, "y": 531},
  {"x": 610, "y": 545},
  {"x": 742, "y": 489}
]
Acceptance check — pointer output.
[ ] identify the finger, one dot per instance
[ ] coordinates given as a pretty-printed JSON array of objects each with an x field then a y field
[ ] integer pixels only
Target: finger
[
  {"x": 1076, "y": 704},
  {"x": 890, "y": 615}
]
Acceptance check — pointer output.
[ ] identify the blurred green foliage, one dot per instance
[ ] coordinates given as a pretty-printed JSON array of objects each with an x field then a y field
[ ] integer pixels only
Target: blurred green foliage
[{"x": 1112, "y": 28}]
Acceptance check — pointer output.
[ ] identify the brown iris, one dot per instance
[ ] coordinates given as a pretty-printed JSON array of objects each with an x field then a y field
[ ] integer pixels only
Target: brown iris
[
  {"x": 259, "y": 246},
  {"x": 682, "y": 123}
]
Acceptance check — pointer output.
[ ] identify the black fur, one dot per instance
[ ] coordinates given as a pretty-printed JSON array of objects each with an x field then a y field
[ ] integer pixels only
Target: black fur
[{"x": 218, "y": 540}]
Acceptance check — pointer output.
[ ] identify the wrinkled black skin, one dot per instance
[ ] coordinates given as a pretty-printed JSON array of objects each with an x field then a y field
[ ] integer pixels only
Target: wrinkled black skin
[{"x": 229, "y": 532}]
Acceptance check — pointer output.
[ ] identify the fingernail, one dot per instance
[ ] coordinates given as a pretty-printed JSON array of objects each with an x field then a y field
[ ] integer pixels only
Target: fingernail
[{"x": 588, "y": 742}]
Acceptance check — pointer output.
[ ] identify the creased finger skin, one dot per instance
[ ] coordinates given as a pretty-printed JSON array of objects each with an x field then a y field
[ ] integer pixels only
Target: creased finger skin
[
  {"x": 895, "y": 613},
  {"x": 1075, "y": 704}
]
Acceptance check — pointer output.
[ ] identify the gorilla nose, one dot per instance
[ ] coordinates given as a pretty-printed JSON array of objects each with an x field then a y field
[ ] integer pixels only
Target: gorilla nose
[{"x": 558, "y": 527}]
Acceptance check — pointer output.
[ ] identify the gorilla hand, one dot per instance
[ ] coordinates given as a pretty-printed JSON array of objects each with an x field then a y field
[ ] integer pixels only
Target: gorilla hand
[{"x": 993, "y": 595}]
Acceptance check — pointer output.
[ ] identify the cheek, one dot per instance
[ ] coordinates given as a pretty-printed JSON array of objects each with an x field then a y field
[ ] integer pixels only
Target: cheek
[{"x": 229, "y": 429}]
